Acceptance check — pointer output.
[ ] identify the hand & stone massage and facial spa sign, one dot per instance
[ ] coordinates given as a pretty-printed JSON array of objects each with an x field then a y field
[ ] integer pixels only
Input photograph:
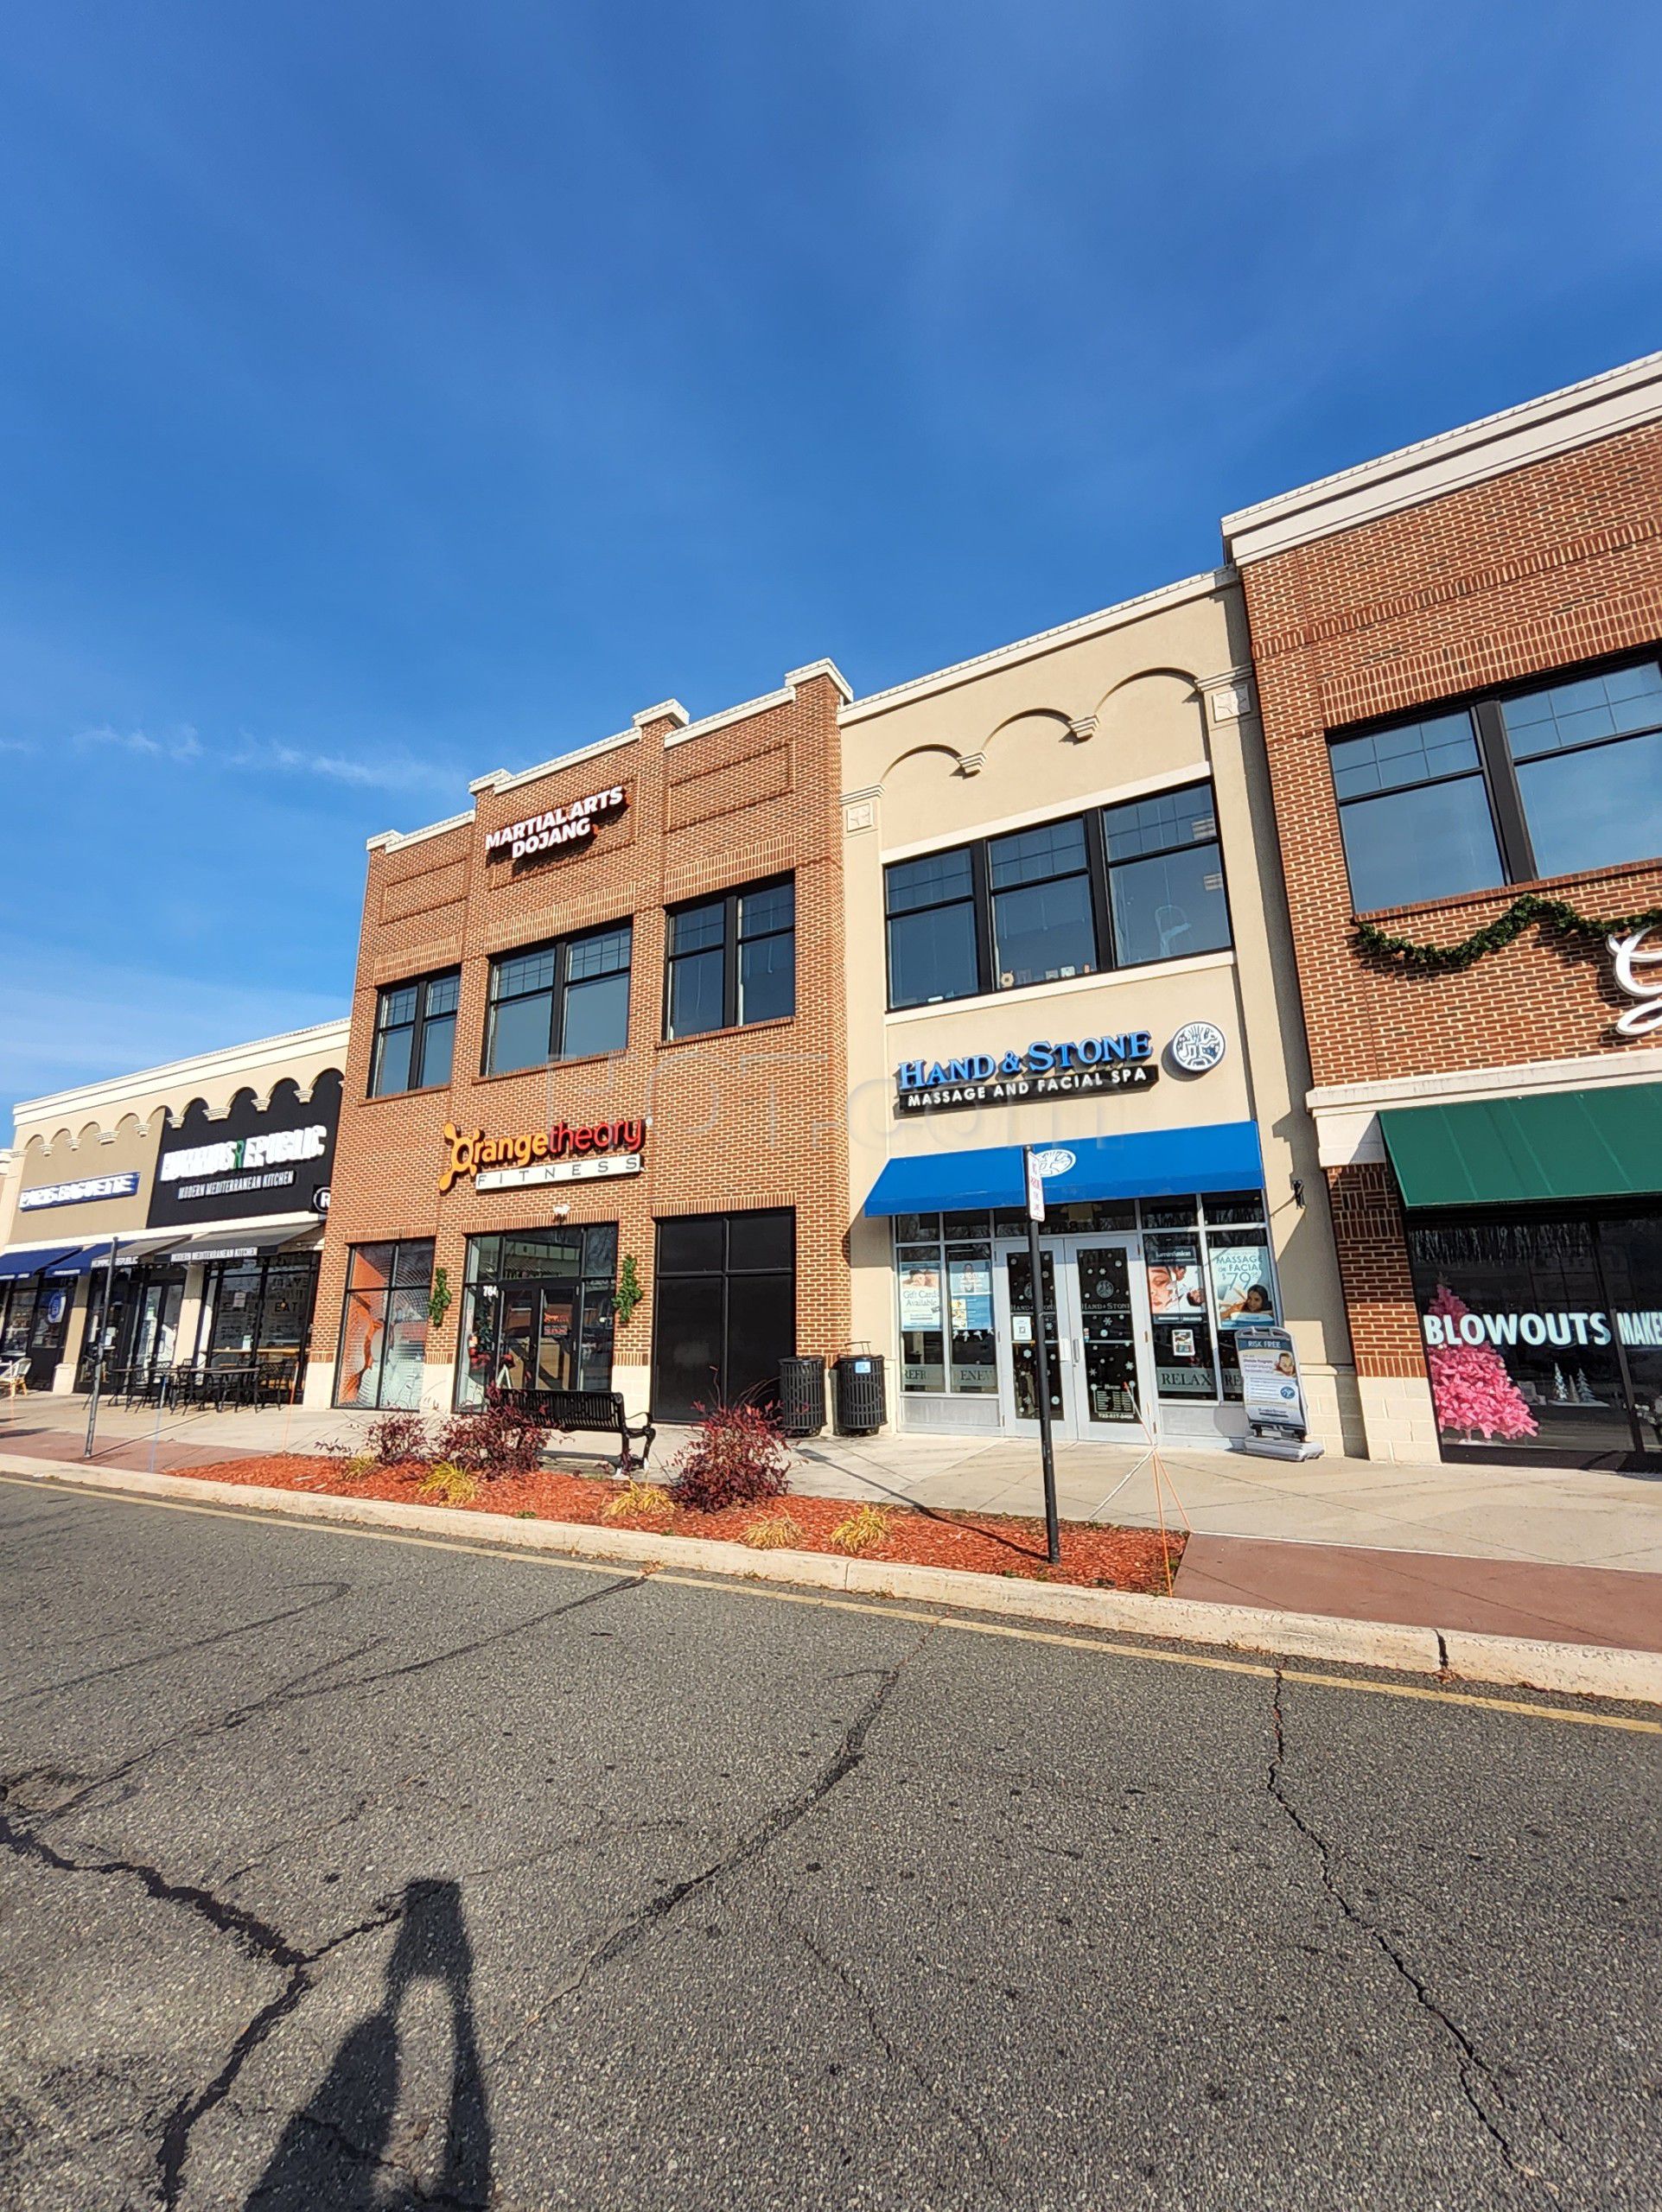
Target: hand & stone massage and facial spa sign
[{"x": 1044, "y": 1069}]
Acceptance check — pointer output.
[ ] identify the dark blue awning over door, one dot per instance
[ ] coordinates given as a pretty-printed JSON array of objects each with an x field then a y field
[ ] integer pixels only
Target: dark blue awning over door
[{"x": 15, "y": 1265}]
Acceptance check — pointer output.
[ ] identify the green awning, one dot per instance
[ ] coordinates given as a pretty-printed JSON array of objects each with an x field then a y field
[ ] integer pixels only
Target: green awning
[{"x": 1502, "y": 1152}]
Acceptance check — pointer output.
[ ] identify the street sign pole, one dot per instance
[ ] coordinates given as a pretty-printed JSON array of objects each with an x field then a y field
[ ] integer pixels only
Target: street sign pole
[
  {"x": 1036, "y": 1193},
  {"x": 97, "y": 1348}
]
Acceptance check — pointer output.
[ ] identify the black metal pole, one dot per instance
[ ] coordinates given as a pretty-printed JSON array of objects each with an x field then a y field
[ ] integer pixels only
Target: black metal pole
[
  {"x": 98, "y": 1346},
  {"x": 1042, "y": 1351}
]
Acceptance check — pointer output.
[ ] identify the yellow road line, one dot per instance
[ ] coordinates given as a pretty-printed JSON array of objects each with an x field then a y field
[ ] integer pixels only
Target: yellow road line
[{"x": 1101, "y": 1643}]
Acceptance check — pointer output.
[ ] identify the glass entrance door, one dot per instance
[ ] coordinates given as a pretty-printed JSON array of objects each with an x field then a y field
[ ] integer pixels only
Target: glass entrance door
[
  {"x": 1096, "y": 1332},
  {"x": 1110, "y": 1394}
]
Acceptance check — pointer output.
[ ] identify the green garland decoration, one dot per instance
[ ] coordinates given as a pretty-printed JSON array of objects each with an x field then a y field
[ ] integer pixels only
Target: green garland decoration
[
  {"x": 1522, "y": 914},
  {"x": 439, "y": 1303}
]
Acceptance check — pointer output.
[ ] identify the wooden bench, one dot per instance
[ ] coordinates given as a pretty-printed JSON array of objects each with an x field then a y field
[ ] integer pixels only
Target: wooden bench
[{"x": 574, "y": 1410}]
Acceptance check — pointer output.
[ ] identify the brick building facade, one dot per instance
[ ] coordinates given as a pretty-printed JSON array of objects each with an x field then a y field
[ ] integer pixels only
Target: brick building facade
[
  {"x": 1456, "y": 656},
  {"x": 727, "y": 832}
]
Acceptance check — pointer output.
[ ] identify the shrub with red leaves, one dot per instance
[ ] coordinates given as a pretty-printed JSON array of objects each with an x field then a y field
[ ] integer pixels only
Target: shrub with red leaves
[
  {"x": 737, "y": 1456},
  {"x": 501, "y": 1437},
  {"x": 399, "y": 1439}
]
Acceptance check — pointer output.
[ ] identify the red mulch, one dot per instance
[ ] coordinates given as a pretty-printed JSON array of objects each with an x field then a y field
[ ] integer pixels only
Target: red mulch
[{"x": 980, "y": 1543}]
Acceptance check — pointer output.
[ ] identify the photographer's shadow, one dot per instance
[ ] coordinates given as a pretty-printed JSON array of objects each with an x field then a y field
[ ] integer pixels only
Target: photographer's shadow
[{"x": 333, "y": 2156}]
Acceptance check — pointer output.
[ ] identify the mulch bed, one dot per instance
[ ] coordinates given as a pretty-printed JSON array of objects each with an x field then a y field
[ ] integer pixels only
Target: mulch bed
[{"x": 980, "y": 1543}]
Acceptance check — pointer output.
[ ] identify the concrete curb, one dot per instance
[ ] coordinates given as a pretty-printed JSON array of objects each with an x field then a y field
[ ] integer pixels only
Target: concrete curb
[{"x": 1453, "y": 1655}]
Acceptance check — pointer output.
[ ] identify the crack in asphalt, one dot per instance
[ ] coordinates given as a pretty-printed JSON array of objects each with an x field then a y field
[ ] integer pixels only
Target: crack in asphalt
[
  {"x": 783, "y": 1818},
  {"x": 850, "y": 1751},
  {"x": 360, "y": 2154},
  {"x": 298, "y": 1688},
  {"x": 259, "y": 1941},
  {"x": 333, "y": 1591},
  {"x": 1472, "y": 2068},
  {"x": 935, "y": 2090}
]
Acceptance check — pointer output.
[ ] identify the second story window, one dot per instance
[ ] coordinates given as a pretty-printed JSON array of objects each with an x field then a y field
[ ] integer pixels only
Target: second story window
[
  {"x": 731, "y": 961},
  {"x": 1165, "y": 877},
  {"x": 1119, "y": 887},
  {"x": 415, "y": 1034},
  {"x": 1551, "y": 780},
  {"x": 560, "y": 1001}
]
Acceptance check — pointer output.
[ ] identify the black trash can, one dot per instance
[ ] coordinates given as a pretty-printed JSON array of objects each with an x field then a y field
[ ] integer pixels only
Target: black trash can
[
  {"x": 802, "y": 1396},
  {"x": 860, "y": 1404}
]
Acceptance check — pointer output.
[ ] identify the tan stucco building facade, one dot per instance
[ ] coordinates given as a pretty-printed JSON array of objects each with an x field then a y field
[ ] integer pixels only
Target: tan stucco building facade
[
  {"x": 1069, "y": 842},
  {"x": 207, "y": 1254}
]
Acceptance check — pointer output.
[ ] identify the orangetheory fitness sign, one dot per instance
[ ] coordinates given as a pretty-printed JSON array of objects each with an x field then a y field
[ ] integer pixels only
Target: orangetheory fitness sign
[
  {"x": 560, "y": 825},
  {"x": 561, "y": 1155}
]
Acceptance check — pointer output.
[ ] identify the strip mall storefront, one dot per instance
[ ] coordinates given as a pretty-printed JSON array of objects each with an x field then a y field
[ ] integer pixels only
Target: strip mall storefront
[
  {"x": 1461, "y": 682},
  {"x": 212, "y": 1184},
  {"x": 598, "y": 1018},
  {"x": 1066, "y": 934}
]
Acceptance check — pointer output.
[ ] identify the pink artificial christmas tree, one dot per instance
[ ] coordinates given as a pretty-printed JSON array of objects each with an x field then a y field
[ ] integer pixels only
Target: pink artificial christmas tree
[{"x": 1470, "y": 1387}]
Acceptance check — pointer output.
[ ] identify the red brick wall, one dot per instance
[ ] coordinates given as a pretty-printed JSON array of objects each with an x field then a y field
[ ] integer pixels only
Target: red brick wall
[
  {"x": 747, "y": 1118},
  {"x": 1531, "y": 572}
]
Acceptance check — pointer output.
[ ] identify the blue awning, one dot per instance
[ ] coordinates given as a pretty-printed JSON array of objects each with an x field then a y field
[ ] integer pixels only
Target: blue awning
[
  {"x": 1152, "y": 1164},
  {"x": 14, "y": 1265}
]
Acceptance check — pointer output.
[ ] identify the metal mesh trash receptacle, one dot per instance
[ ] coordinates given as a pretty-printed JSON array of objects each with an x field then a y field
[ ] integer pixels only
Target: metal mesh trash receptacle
[
  {"x": 802, "y": 1396},
  {"x": 860, "y": 1404}
]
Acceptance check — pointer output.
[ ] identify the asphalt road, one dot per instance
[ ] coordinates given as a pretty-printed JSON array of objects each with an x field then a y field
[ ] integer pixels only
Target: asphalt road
[{"x": 342, "y": 1872}]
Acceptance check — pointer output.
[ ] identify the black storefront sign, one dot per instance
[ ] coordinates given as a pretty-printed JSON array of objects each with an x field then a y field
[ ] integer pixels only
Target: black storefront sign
[{"x": 250, "y": 1161}]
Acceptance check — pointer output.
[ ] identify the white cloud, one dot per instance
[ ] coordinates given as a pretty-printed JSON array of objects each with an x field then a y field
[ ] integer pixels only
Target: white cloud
[
  {"x": 386, "y": 771},
  {"x": 181, "y": 745}
]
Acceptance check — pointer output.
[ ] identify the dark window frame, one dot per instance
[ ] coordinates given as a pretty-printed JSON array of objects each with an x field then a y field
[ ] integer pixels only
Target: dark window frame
[
  {"x": 421, "y": 986},
  {"x": 1098, "y": 870},
  {"x": 560, "y": 947},
  {"x": 1495, "y": 765},
  {"x": 732, "y": 942}
]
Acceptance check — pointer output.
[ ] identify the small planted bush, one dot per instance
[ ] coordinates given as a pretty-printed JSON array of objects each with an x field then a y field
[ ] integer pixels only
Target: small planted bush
[
  {"x": 495, "y": 1439},
  {"x": 862, "y": 1531},
  {"x": 450, "y": 1484},
  {"x": 738, "y": 1457},
  {"x": 639, "y": 1500},
  {"x": 774, "y": 1532},
  {"x": 399, "y": 1439}
]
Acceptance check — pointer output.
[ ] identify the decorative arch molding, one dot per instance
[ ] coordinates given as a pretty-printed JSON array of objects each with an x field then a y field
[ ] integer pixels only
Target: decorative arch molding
[
  {"x": 287, "y": 1090},
  {"x": 948, "y": 755},
  {"x": 1119, "y": 719}
]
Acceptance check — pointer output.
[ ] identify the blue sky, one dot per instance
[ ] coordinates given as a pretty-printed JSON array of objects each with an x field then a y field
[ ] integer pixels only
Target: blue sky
[{"x": 388, "y": 393}]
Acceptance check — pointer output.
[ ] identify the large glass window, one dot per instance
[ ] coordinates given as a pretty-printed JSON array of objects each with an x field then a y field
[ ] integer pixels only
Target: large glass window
[
  {"x": 1166, "y": 877},
  {"x": 945, "y": 1273},
  {"x": 415, "y": 1034},
  {"x": 559, "y": 1002},
  {"x": 1543, "y": 1337},
  {"x": 1043, "y": 928},
  {"x": 1112, "y": 889},
  {"x": 731, "y": 961},
  {"x": 1547, "y": 781},
  {"x": 538, "y": 1311},
  {"x": 931, "y": 929},
  {"x": 383, "y": 1325},
  {"x": 723, "y": 1310}
]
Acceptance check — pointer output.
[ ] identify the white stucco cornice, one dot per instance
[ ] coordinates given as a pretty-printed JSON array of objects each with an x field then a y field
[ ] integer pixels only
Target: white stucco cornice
[
  {"x": 1558, "y": 422},
  {"x": 1043, "y": 641}
]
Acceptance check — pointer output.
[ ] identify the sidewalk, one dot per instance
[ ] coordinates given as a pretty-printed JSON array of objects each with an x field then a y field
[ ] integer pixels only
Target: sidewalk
[{"x": 1548, "y": 1553}]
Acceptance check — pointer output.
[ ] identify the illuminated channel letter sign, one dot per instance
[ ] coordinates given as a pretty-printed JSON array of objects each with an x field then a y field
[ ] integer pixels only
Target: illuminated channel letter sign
[
  {"x": 560, "y": 825},
  {"x": 561, "y": 1155},
  {"x": 1121, "y": 1063}
]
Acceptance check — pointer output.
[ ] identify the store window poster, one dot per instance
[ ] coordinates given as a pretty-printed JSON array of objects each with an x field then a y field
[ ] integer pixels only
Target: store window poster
[
  {"x": 920, "y": 1296},
  {"x": 1242, "y": 1284},
  {"x": 972, "y": 1295}
]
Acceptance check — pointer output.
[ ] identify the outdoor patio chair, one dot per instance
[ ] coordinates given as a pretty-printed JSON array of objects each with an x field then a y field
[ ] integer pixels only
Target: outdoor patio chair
[{"x": 14, "y": 1376}]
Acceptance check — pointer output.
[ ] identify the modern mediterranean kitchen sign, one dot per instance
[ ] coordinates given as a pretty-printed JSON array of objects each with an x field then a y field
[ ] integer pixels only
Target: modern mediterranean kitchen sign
[
  {"x": 562, "y": 1154},
  {"x": 251, "y": 1160},
  {"x": 1044, "y": 1069},
  {"x": 559, "y": 825}
]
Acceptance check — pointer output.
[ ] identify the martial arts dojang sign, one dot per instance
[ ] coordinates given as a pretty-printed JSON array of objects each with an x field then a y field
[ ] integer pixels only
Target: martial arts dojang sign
[{"x": 556, "y": 830}]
